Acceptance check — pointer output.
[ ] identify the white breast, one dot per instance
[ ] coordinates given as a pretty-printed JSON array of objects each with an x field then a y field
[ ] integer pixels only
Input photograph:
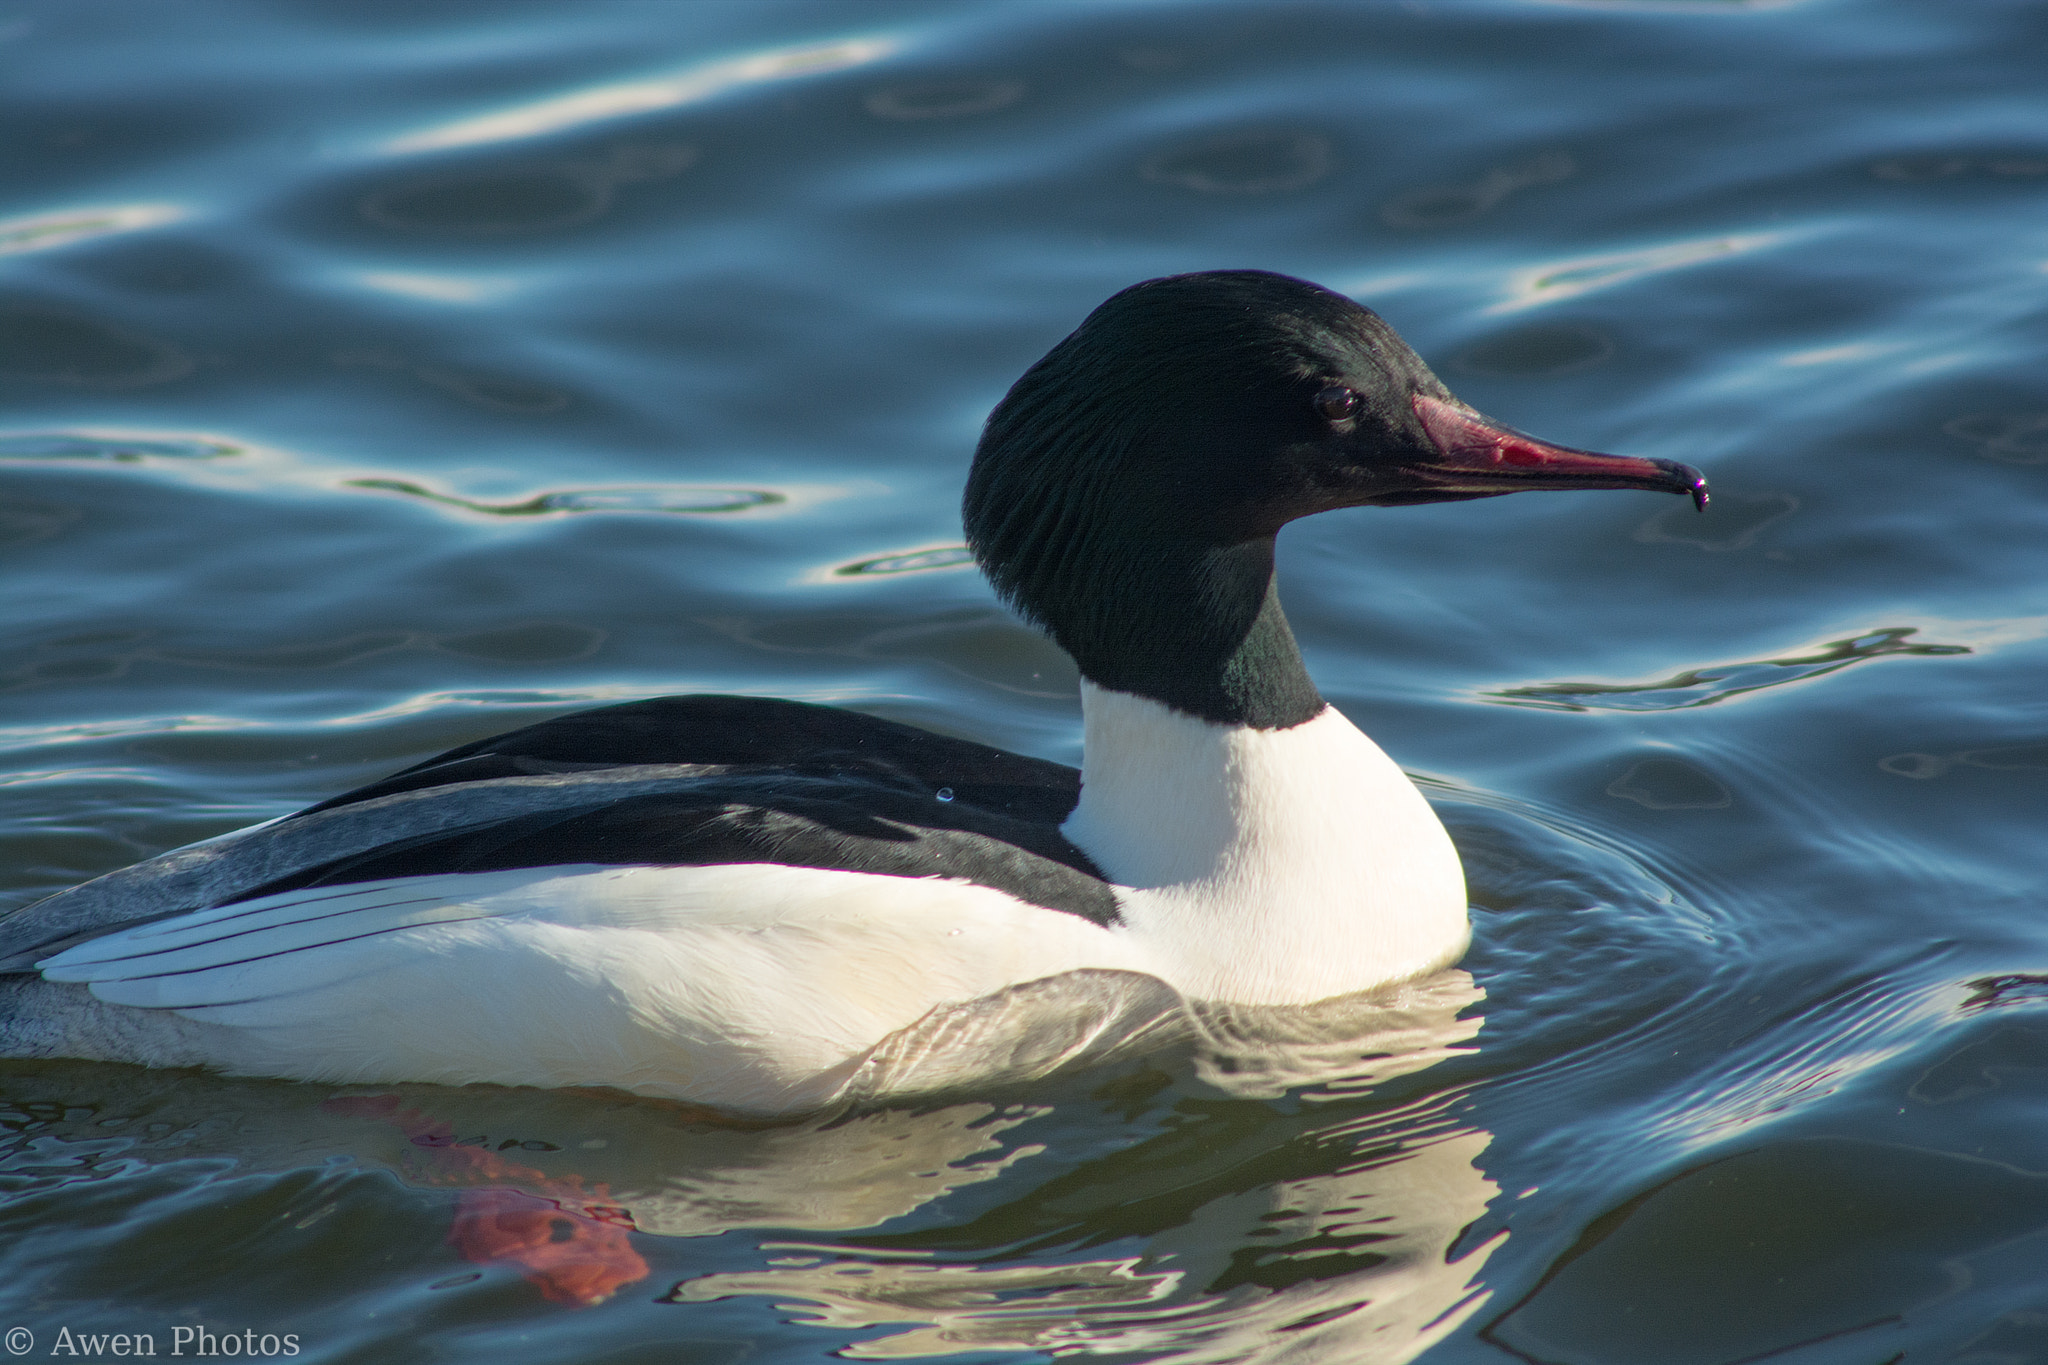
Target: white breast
[{"x": 1266, "y": 866}]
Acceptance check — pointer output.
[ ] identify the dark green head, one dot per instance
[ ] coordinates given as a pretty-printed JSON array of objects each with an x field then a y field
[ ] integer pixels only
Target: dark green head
[{"x": 1127, "y": 490}]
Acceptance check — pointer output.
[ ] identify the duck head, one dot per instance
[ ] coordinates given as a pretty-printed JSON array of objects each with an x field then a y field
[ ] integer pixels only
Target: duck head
[{"x": 1126, "y": 492}]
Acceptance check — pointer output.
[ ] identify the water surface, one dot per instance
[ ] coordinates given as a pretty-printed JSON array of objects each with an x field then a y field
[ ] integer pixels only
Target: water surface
[{"x": 376, "y": 377}]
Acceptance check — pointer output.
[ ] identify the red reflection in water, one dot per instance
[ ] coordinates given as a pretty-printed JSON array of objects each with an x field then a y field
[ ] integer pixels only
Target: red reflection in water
[{"x": 568, "y": 1241}]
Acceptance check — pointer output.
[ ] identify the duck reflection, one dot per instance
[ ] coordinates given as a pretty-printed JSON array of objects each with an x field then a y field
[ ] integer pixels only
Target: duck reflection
[
  {"x": 552, "y": 1184},
  {"x": 1189, "y": 1182},
  {"x": 1359, "y": 1264},
  {"x": 1287, "y": 1217}
]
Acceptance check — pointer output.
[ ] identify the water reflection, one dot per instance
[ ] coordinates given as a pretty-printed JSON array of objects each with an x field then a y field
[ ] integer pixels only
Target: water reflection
[
  {"x": 976, "y": 642},
  {"x": 624, "y": 498},
  {"x": 43, "y": 231},
  {"x": 46, "y": 344},
  {"x": 2008, "y": 437},
  {"x": 1998, "y": 758},
  {"x": 943, "y": 99},
  {"x": 2012, "y": 988},
  {"x": 621, "y": 99},
  {"x": 1459, "y": 202},
  {"x": 909, "y": 561},
  {"x": 104, "y": 655},
  {"x": 1671, "y": 784},
  {"x": 73, "y": 445},
  {"x": 1730, "y": 522},
  {"x": 535, "y": 197},
  {"x": 2022, "y": 165},
  {"x": 439, "y": 288},
  {"x": 567, "y": 1237},
  {"x": 1319, "y": 1225},
  {"x": 1531, "y": 352},
  {"x": 1705, "y": 686},
  {"x": 1252, "y": 1190},
  {"x": 23, "y": 521},
  {"x": 1570, "y": 279},
  {"x": 497, "y": 392},
  {"x": 1360, "y": 1263},
  {"x": 1260, "y": 161},
  {"x": 1820, "y": 1240},
  {"x": 463, "y": 198},
  {"x": 1680, "y": 6}
]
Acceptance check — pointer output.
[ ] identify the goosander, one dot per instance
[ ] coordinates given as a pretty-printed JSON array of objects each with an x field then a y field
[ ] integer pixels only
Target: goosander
[{"x": 734, "y": 901}]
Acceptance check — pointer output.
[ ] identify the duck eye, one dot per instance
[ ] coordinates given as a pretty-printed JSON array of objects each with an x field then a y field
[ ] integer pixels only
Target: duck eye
[{"x": 1336, "y": 403}]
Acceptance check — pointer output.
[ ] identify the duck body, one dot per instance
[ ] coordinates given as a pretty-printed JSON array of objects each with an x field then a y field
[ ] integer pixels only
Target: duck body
[
  {"x": 735, "y": 901},
  {"x": 736, "y": 934}
]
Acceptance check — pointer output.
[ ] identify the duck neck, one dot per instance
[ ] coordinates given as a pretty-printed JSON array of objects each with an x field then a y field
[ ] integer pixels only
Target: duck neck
[
  {"x": 1170, "y": 799},
  {"x": 1198, "y": 630}
]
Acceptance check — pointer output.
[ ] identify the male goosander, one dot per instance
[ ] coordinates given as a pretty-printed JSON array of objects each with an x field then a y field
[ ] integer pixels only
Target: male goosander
[{"x": 732, "y": 901}]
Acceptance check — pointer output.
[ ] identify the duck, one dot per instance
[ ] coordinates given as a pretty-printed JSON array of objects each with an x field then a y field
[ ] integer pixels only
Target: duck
[{"x": 734, "y": 902}]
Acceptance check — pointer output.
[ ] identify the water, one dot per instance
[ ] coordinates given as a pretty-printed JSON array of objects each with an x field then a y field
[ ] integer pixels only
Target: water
[{"x": 381, "y": 376}]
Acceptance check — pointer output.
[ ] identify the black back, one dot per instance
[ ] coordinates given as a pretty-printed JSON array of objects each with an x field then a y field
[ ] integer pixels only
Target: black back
[
  {"x": 726, "y": 732},
  {"x": 769, "y": 781}
]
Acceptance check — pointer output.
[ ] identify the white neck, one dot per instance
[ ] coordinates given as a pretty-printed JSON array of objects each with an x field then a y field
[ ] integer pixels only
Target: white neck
[{"x": 1265, "y": 866}]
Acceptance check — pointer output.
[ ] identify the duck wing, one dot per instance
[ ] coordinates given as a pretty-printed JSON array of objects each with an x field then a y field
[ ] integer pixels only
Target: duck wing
[{"x": 673, "y": 781}]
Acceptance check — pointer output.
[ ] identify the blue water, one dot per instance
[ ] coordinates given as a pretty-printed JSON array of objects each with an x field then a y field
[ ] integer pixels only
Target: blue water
[{"x": 380, "y": 376}]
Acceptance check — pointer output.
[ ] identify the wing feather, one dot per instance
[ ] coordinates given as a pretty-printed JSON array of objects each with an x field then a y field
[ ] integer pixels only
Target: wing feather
[{"x": 289, "y": 944}]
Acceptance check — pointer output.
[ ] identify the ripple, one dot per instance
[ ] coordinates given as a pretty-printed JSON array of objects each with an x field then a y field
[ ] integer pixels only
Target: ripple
[
  {"x": 1153, "y": 58},
  {"x": 1580, "y": 275},
  {"x": 693, "y": 85},
  {"x": 1729, "y": 522},
  {"x": 1680, "y": 6},
  {"x": 1923, "y": 166},
  {"x": 523, "y": 199},
  {"x": 69, "y": 445},
  {"x": 1671, "y": 784},
  {"x": 1985, "y": 1064},
  {"x": 1531, "y": 352},
  {"x": 533, "y": 643},
  {"x": 46, "y": 345},
  {"x": 43, "y": 231},
  {"x": 24, "y": 521},
  {"x": 1705, "y": 686},
  {"x": 2011, "y": 988},
  {"x": 84, "y": 659},
  {"x": 534, "y": 197},
  {"x": 498, "y": 392},
  {"x": 1999, "y": 758},
  {"x": 943, "y": 99},
  {"x": 1263, "y": 161},
  {"x": 1460, "y": 202},
  {"x": 671, "y": 498},
  {"x": 439, "y": 288},
  {"x": 1358, "y": 1256},
  {"x": 339, "y": 653},
  {"x": 1792, "y": 1244},
  {"x": 909, "y": 561},
  {"x": 2008, "y": 437}
]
